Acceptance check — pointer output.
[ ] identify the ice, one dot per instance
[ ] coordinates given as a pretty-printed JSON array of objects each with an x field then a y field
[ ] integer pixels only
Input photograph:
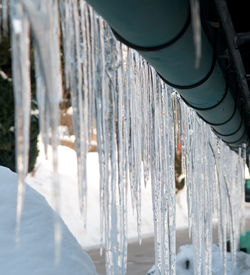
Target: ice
[
  {"x": 41, "y": 20},
  {"x": 74, "y": 52},
  {"x": 117, "y": 81},
  {"x": 22, "y": 93},
  {"x": 140, "y": 123},
  {"x": 210, "y": 195}
]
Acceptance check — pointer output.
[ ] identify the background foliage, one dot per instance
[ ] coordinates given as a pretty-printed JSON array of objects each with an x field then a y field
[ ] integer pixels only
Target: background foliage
[{"x": 7, "y": 116}]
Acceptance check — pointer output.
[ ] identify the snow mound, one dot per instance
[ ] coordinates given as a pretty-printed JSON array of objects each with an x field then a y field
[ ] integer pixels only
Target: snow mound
[
  {"x": 184, "y": 262},
  {"x": 34, "y": 254}
]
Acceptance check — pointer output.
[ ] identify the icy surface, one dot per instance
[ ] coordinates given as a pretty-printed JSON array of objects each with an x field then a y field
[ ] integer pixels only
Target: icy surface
[{"x": 34, "y": 254}]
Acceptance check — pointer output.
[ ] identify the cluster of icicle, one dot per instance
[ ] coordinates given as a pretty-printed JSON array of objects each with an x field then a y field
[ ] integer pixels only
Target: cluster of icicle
[
  {"x": 215, "y": 188},
  {"x": 137, "y": 119},
  {"x": 114, "y": 89}
]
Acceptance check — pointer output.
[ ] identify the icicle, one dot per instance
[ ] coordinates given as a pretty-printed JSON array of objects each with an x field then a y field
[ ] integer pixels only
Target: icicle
[
  {"x": 41, "y": 101},
  {"x": 241, "y": 178},
  {"x": 42, "y": 20},
  {"x": 109, "y": 135},
  {"x": 99, "y": 125},
  {"x": 122, "y": 166},
  {"x": 22, "y": 92},
  {"x": 74, "y": 55},
  {"x": 162, "y": 176},
  {"x": 208, "y": 188},
  {"x": 135, "y": 132}
]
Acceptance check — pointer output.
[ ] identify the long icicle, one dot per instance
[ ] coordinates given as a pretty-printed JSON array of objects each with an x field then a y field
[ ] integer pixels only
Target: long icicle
[
  {"x": 21, "y": 78},
  {"x": 42, "y": 21}
]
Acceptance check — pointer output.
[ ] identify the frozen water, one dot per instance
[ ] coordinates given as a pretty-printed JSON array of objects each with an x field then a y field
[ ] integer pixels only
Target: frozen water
[
  {"x": 210, "y": 195},
  {"x": 138, "y": 122},
  {"x": 40, "y": 18},
  {"x": 21, "y": 79}
]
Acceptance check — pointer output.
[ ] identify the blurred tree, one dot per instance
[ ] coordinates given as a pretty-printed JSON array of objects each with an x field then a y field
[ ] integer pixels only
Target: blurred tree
[{"x": 7, "y": 117}]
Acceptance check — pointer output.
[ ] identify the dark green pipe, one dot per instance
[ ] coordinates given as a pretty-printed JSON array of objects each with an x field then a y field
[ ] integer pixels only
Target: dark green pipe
[{"x": 148, "y": 23}]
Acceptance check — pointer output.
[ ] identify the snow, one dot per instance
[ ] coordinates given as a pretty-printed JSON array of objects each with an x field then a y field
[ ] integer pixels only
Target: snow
[
  {"x": 37, "y": 222},
  {"x": 70, "y": 212},
  {"x": 184, "y": 262},
  {"x": 34, "y": 253}
]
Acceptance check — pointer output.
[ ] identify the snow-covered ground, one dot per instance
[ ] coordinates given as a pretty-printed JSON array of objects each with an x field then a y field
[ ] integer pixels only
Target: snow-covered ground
[
  {"x": 69, "y": 197},
  {"x": 37, "y": 222},
  {"x": 34, "y": 253},
  {"x": 70, "y": 213},
  {"x": 185, "y": 266}
]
